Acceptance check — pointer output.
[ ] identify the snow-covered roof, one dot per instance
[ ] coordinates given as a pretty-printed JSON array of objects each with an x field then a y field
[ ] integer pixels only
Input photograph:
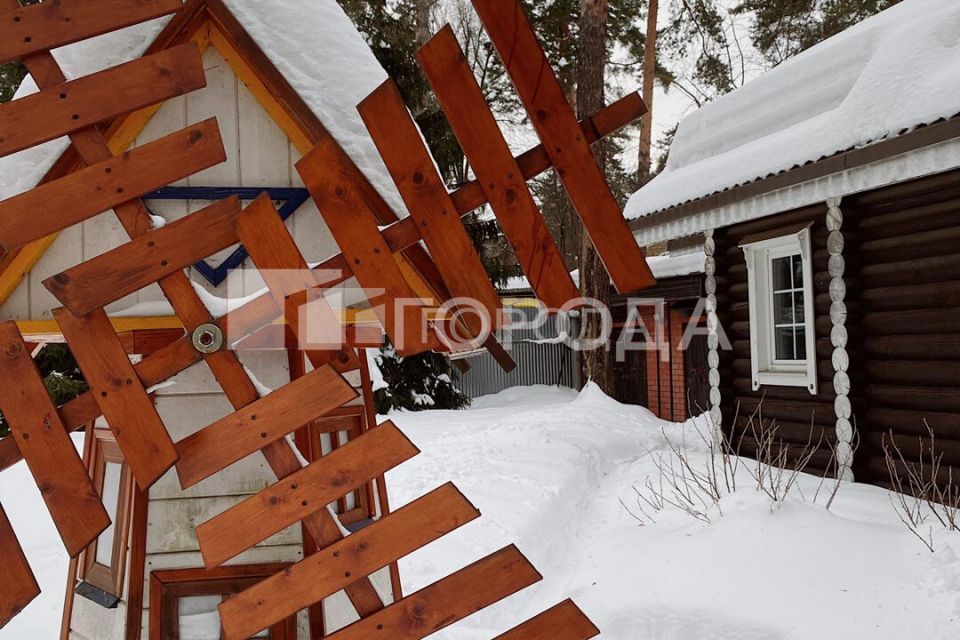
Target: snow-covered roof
[
  {"x": 662, "y": 266},
  {"x": 881, "y": 78},
  {"x": 311, "y": 42}
]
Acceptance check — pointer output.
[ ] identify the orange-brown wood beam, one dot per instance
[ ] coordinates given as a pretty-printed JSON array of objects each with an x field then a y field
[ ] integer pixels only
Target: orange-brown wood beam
[
  {"x": 48, "y": 25},
  {"x": 563, "y": 622},
  {"x": 19, "y": 584}
]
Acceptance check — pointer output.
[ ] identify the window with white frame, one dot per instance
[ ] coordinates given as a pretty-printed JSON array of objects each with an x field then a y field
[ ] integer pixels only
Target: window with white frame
[{"x": 780, "y": 281}]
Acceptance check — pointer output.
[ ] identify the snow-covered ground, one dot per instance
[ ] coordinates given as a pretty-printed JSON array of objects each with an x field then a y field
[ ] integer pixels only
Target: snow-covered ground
[
  {"x": 548, "y": 469},
  {"x": 554, "y": 472}
]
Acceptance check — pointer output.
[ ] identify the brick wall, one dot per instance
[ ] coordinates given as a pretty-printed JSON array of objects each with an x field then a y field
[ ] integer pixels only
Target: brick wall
[{"x": 666, "y": 374}]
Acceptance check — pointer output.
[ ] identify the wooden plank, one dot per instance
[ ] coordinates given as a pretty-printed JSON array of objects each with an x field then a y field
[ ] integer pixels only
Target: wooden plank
[
  {"x": 53, "y": 460},
  {"x": 82, "y": 103},
  {"x": 331, "y": 179},
  {"x": 255, "y": 426},
  {"x": 563, "y": 622},
  {"x": 556, "y": 124},
  {"x": 36, "y": 28},
  {"x": 535, "y": 161},
  {"x": 287, "y": 276},
  {"x": 146, "y": 259},
  {"x": 499, "y": 175},
  {"x": 19, "y": 584},
  {"x": 274, "y": 509},
  {"x": 86, "y": 192},
  {"x": 131, "y": 416},
  {"x": 449, "y": 600},
  {"x": 425, "y": 194},
  {"x": 326, "y": 572}
]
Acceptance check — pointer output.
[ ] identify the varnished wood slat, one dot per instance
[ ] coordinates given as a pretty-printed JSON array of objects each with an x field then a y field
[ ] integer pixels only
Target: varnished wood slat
[
  {"x": 131, "y": 416},
  {"x": 499, "y": 175},
  {"x": 82, "y": 103},
  {"x": 329, "y": 570},
  {"x": 49, "y": 25},
  {"x": 288, "y": 277},
  {"x": 86, "y": 192},
  {"x": 563, "y": 622},
  {"x": 19, "y": 584},
  {"x": 53, "y": 460},
  {"x": 146, "y": 259},
  {"x": 327, "y": 174},
  {"x": 556, "y": 125},
  {"x": 274, "y": 509},
  {"x": 422, "y": 188},
  {"x": 255, "y": 426},
  {"x": 449, "y": 600}
]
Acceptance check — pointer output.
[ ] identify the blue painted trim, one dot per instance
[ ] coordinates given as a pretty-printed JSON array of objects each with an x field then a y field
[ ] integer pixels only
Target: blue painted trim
[{"x": 291, "y": 197}]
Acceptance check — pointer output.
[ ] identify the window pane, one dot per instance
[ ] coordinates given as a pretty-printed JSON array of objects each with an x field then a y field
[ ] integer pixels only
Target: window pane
[
  {"x": 783, "y": 308},
  {"x": 783, "y": 343},
  {"x": 111, "y": 500},
  {"x": 798, "y": 307},
  {"x": 797, "y": 272},
  {"x": 781, "y": 274},
  {"x": 801, "y": 343}
]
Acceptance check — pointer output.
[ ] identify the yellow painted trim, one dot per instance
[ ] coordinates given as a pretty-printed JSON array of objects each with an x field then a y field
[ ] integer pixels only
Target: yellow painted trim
[
  {"x": 50, "y": 327},
  {"x": 299, "y": 138},
  {"x": 22, "y": 263}
]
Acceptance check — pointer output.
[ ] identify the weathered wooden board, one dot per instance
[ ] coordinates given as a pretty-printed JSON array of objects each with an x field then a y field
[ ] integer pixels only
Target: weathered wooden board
[
  {"x": 563, "y": 622},
  {"x": 19, "y": 584},
  {"x": 53, "y": 460},
  {"x": 86, "y": 192},
  {"x": 287, "y": 275},
  {"x": 297, "y": 496},
  {"x": 49, "y": 25},
  {"x": 146, "y": 259},
  {"x": 556, "y": 124},
  {"x": 131, "y": 416},
  {"x": 425, "y": 194},
  {"x": 328, "y": 176},
  {"x": 326, "y": 572},
  {"x": 497, "y": 171},
  {"x": 82, "y": 103},
  {"x": 449, "y": 600},
  {"x": 260, "y": 423}
]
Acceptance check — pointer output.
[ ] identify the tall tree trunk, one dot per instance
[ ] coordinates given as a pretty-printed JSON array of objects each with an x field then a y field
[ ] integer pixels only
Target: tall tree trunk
[
  {"x": 594, "y": 282},
  {"x": 422, "y": 21},
  {"x": 649, "y": 69}
]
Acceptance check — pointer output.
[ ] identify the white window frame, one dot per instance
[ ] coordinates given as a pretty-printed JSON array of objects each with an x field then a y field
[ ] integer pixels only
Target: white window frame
[{"x": 765, "y": 368}]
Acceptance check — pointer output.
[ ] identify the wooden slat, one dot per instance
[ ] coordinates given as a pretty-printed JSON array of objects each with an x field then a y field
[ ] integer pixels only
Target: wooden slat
[
  {"x": 563, "y": 622},
  {"x": 327, "y": 571},
  {"x": 49, "y": 25},
  {"x": 497, "y": 171},
  {"x": 82, "y": 103},
  {"x": 556, "y": 125},
  {"x": 146, "y": 259},
  {"x": 19, "y": 584},
  {"x": 327, "y": 173},
  {"x": 422, "y": 188},
  {"x": 449, "y": 600},
  {"x": 53, "y": 460},
  {"x": 131, "y": 416},
  {"x": 274, "y": 509},
  {"x": 255, "y": 426},
  {"x": 287, "y": 275},
  {"x": 86, "y": 192}
]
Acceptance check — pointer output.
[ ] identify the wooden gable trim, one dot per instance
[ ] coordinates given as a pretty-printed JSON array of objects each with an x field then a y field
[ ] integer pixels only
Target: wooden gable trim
[{"x": 210, "y": 22}]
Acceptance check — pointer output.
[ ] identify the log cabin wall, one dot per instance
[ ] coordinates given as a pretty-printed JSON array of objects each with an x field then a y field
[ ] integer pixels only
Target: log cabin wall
[
  {"x": 790, "y": 411},
  {"x": 910, "y": 279}
]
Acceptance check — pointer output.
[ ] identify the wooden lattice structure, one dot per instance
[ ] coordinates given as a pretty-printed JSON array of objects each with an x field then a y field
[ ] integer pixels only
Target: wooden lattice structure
[{"x": 371, "y": 240}]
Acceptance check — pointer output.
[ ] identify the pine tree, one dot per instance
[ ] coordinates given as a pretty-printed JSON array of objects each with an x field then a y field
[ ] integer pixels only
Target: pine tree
[{"x": 423, "y": 382}]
